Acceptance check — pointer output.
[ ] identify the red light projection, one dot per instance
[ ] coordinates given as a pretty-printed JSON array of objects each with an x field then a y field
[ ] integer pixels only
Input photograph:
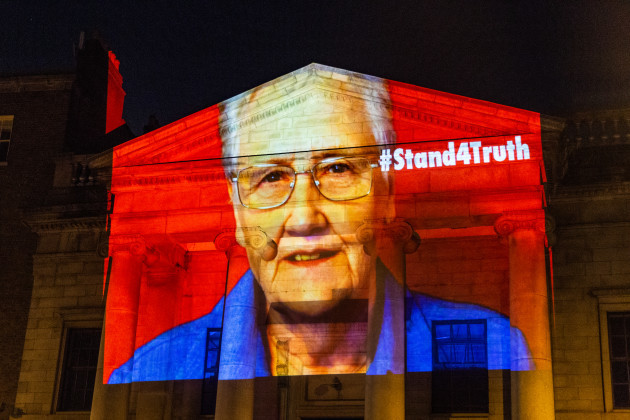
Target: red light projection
[
  {"x": 115, "y": 95},
  {"x": 328, "y": 222}
]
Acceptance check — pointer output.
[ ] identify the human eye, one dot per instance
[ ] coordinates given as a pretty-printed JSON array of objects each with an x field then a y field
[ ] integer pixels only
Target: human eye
[
  {"x": 265, "y": 186},
  {"x": 339, "y": 167},
  {"x": 273, "y": 176},
  {"x": 344, "y": 178},
  {"x": 265, "y": 177}
]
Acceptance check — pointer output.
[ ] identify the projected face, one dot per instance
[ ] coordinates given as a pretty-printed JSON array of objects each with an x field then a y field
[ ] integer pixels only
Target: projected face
[{"x": 310, "y": 204}]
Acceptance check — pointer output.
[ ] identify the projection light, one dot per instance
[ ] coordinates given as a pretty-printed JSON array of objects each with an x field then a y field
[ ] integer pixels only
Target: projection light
[
  {"x": 256, "y": 238},
  {"x": 266, "y": 186},
  {"x": 400, "y": 231}
]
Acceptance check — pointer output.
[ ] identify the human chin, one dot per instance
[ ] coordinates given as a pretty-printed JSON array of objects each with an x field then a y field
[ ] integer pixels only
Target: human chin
[{"x": 310, "y": 282}]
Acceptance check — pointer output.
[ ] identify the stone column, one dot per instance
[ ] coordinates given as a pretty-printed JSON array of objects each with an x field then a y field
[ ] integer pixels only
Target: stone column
[
  {"x": 531, "y": 375},
  {"x": 235, "y": 397},
  {"x": 386, "y": 340},
  {"x": 123, "y": 294}
]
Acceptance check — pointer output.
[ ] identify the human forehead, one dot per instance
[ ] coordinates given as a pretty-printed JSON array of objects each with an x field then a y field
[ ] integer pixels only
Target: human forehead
[
  {"x": 277, "y": 142},
  {"x": 311, "y": 127},
  {"x": 302, "y": 159}
]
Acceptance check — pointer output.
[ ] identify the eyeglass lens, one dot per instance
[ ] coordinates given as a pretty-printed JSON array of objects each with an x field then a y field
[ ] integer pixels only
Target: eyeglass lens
[{"x": 268, "y": 186}]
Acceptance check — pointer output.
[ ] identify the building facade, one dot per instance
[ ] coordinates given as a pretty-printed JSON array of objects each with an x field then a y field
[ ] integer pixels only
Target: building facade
[
  {"x": 33, "y": 115},
  {"x": 41, "y": 142},
  {"x": 590, "y": 266},
  {"x": 527, "y": 250}
]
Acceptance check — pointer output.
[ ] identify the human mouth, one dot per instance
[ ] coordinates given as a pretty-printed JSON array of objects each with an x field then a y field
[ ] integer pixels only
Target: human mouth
[{"x": 310, "y": 256}]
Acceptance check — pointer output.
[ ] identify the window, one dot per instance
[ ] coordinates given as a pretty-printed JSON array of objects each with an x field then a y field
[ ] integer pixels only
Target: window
[
  {"x": 79, "y": 369},
  {"x": 460, "y": 367},
  {"x": 211, "y": 371},
  {"x": 614, "y": 324},
  {"x": 6, "y": 127},
  {"x": 619, "y": 345}
]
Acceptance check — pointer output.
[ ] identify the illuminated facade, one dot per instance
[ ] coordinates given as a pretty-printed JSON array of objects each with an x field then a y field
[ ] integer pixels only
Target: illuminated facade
[{"x": 334, "y": 245}]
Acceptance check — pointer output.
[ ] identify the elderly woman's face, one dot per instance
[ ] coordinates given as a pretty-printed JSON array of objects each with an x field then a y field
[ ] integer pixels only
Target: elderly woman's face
[{"x": 319, "y": 263}]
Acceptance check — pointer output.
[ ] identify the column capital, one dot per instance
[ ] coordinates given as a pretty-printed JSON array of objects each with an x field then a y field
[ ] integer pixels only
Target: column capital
[
  {"x": 134, "y": 244},
  {"x": 536, "y": 220},
  {"x": 164, "y": 253},
  {"x": 167, "y": 254},
  {"x": 397, "y": 230},
  {"x": 252, "y": 237},
  {"x": 233, "y": 242},
  {"x": 226, "y": 242}
]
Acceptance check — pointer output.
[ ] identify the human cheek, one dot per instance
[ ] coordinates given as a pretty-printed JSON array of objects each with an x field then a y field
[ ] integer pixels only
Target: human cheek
[
  {"x": 271, "y": 222},
  {"x": 268, "y": 220},
  {"x": 354, "y": 214},
  {"x": 358, "y": 211}
]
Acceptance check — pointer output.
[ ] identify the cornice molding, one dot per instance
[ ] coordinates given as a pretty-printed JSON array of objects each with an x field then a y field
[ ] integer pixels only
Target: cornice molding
[
  {"x": 62, "y": 257},
  {"x": 468, "y": 129},
  {"x": 401, "y": 112},
  {"x": 282, "y": 99},
  {"x": 611, "y": 295},
  {"x": 129, "y": 181},
  {"x": 82, "y": 313},
  {"x": 571, "y": 228},
  {"x": 277, "y": 110},
  {"x": 569, "y": 193},
  {"x": 36, "y": 83},
  {"x": 61, "y": 225}
]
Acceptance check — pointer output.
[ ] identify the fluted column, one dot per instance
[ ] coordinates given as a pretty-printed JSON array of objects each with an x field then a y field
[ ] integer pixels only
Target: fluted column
[
  {"x": 531, "y": 376},
  {"x": 235, "y": 397},
  {"x": 385, "y": 379}
]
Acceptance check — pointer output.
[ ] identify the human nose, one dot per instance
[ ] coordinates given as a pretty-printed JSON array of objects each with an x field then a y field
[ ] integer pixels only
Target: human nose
[{"x": 305, "y": 217}]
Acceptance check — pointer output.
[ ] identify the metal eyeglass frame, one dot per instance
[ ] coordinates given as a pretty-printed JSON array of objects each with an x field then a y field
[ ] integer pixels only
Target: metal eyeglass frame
[{"x": 234, "y": 179}]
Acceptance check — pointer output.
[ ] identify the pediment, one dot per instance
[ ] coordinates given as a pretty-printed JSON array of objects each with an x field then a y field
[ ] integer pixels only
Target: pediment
[{"x": 318, "y": 91}]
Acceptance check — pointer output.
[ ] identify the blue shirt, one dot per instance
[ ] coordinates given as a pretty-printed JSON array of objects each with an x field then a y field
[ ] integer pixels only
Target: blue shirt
[{"x": 179, "y": 353}]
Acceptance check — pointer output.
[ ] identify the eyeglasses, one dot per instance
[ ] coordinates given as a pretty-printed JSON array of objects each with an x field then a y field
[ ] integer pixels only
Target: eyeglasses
[{"x": 266, "y": 186}]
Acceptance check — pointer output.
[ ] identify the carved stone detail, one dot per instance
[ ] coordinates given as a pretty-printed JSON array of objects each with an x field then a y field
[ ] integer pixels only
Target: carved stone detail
[
  {"x": 163, "y": 255},
  {"x": 212, "y": 175},
  {"x": 135, "y": 244},
  {"x": 398, "y": 230},
  {"x": 57, "y": 225},
  {"x": 533, "y": 220},
  {"x": 225, "y": 240},
  {"x": 400, "y": 112},
  {"x": 252, "y": 237},
  {"x": 102, "y": 247}
]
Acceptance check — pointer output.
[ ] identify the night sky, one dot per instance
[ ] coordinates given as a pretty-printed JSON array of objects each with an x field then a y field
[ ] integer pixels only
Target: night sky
[{"x": 550, "y": 57}]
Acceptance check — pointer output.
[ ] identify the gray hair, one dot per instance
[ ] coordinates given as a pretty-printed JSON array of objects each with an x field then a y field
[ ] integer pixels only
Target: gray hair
[{"x": 263, "y": 103}]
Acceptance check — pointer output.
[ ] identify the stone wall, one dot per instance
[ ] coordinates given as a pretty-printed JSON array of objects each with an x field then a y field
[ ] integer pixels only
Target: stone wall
[
  {"x": 67, "y": 293},
  {"x": 591, "y": 264},
  {"x": 588, "y": 258},
  {"x": 39, "y": 105}
]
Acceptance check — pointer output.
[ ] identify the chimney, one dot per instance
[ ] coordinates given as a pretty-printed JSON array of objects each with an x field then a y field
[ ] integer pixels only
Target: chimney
[
  {"x": 97, "y": 97},
  {"x": 115, "y": 95}
]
